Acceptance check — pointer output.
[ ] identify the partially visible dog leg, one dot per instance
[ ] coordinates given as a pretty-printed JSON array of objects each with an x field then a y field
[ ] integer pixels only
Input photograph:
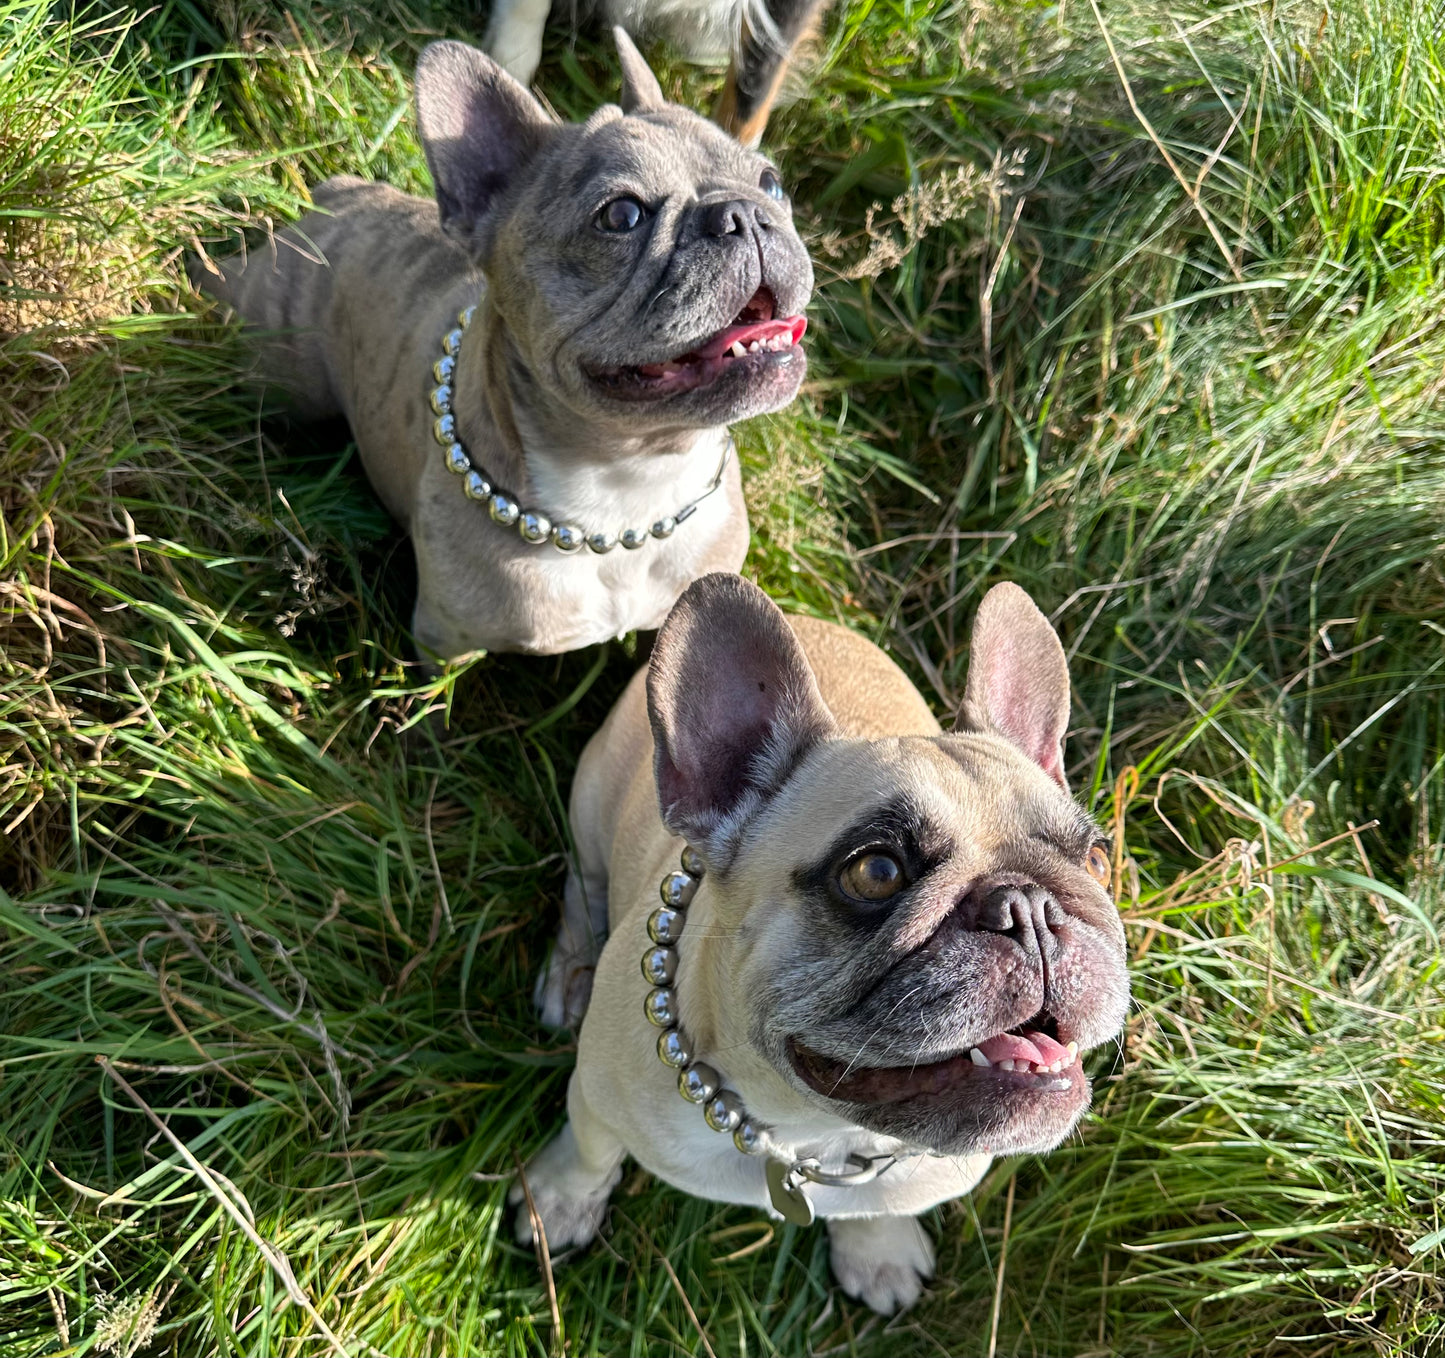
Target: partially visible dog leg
[
  {"x": 565, "y": 984},
  {"x": 882, "y": 1261},
  {"x": 760, "y": 63},
  {"x": 571, "y": 1178},
  {"x": 514, "y": 36}
]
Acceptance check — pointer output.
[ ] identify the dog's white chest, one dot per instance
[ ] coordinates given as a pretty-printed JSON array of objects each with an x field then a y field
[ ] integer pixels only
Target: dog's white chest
[{"x": 484, "y": 589}]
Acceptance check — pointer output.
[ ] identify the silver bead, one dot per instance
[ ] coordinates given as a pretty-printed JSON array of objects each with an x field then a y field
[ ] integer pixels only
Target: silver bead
[
  {"x": 534, "y": 528},
  {"x": 457, "y": 459},
  {"x": 692, "y": 863},
  {"x": 678, "y": 889},
  {"x": 698, "y": 1083},
  {"x": 659, "y": 966},
  {"x": 452, "y": 341},
  {"x": 443, "y": 369},
  {"x": 672, "y": 1049},
  {"x": 567, "y": 537},
  {"x": 441, "y": 399},
  {"x": 633, "y": 538},
  {"x": 660, "y": 1006},
  {"x": 664, "y": 925},
  {"x": 503, "y": 510},
  {"x": 601, "y": 542},
  {"x": 724, "y": 1111},
  {"x": 477, "y": 486},
  {"x": 663, "y": 527},
  {"x": 464, "y": 316},
  {"x": 750, "y": 1137},
  {"x": 444, "y": 429}
]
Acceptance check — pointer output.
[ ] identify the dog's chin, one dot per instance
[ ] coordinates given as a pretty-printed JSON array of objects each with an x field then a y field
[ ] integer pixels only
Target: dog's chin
[{"x": 952, "y": 1106}]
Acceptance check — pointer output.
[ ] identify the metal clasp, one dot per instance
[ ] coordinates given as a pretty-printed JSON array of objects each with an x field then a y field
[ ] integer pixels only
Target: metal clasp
[{"x": 864, "y": 1169}]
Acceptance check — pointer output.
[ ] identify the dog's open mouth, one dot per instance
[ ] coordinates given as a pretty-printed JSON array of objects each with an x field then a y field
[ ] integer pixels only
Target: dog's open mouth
[
  {"x": 755, "y": 341},
  {"x": 1029, "y": 1057}
]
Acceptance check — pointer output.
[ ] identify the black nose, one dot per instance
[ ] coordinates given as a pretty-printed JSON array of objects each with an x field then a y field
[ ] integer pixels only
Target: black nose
[
  {"x": 731, "y": 218},
  {"x": 1027, "y": 914}
]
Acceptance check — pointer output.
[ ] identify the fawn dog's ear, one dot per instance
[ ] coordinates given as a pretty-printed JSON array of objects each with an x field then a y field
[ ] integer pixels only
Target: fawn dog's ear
[
  {"x": 734, "y": 706},
  {"x": 1018, "y": 679}
]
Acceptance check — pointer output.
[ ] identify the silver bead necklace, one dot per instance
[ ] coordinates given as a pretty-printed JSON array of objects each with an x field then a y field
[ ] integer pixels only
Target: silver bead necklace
[
  {"x": 534, "y": 527},
  {"x": 700, "y": 1083}
]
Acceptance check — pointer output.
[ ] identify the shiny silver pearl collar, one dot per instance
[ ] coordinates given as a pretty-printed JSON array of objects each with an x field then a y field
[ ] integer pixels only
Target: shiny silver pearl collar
[
  {"x": 700, "y": 1083},
  {"x": 533, "y": 526}
]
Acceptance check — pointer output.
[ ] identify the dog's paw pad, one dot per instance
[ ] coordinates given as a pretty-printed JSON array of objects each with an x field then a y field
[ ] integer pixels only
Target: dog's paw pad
[{"x": 881, "y": 1261}]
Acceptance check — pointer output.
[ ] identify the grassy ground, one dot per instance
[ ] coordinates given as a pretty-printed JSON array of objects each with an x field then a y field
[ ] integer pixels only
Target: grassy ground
[{"x": 1141, "y": 307}]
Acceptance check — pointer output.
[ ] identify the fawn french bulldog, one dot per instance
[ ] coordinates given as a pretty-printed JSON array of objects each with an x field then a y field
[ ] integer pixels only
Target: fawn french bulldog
[
  {"x": 539, "y": 367},
  {"x": 882, "y": 953}
]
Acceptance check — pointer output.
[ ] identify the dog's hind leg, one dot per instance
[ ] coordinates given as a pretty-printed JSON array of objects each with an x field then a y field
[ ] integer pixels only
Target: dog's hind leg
[
  {"x": 571, "y": 1178},
  {"x": 565, "y": 985},
  {"x": 771, "y": 33},
  {"x": 281, "y": 287}
]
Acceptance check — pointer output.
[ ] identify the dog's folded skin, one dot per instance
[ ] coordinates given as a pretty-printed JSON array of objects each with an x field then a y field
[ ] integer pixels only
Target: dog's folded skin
[
  {"x": 638, "y": 286},
  {"x": 901, "y": 942}
]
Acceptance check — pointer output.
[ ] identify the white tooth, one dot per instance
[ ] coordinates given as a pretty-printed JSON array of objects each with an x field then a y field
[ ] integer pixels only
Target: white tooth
[
  {"x": 1055, "y": 1068},
  {"x": 1007, "y": 1065},
  {"x": 737, "y": 351},
  {"x": 977, "y": 1057},
  {"x": 1041, "y": 1069},
  {"x": 1072, "y": 1048},
  {"x": 755, "y": 346}
]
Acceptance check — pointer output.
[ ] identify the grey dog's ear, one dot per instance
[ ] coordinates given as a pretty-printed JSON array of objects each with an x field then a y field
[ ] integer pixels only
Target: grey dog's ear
[
  {"x": 477, "y": 126},
  {"x": 733, "y": 705},
  {"x": 1018, "y": 679},
  {"x": 640, "y": 90}
]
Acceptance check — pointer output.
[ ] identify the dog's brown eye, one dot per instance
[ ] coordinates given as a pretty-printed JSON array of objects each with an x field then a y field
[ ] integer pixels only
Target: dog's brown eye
[
  {"x": 771, "y": 184},
  {"x": 1097, "y": 864},
  {"x": 621, "y": 214},
  {"x": 872, "y": 877}
]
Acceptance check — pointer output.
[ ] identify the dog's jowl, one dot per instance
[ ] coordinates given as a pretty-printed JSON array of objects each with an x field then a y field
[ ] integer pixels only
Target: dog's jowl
[
  {"x": 880, "y": 949},
  {"x": 539, "y": 367}
]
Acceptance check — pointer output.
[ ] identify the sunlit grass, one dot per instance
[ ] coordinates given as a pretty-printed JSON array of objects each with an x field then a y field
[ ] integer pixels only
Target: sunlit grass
[{"x": 292, "y": 892}]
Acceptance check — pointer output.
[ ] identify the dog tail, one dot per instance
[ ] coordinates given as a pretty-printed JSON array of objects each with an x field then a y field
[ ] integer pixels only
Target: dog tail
[{"x": 771, "y": 33}]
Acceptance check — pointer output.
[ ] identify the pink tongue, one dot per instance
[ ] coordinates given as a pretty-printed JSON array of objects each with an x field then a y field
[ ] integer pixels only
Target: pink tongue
[
  {"x": 759, "y": 330},
  {"x": 1008, "y": 1047},
  {"x": 1050, "y": 1050}
]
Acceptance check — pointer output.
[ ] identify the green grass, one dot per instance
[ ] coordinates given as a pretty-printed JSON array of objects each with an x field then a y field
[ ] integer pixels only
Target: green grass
[{"x": 294, "y": 894}]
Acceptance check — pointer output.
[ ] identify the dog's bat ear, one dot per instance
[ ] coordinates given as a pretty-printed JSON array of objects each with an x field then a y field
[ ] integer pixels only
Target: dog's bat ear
[
  {"x": 640, "y": 90},
  {"x": 1018, "y": 679},
  {"x": 734, "y": 706},
  {"x": 477, "y": 126}
]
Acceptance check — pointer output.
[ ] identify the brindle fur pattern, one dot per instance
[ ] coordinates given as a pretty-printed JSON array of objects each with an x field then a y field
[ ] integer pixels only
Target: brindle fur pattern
[{"x": 353, "y": 302}]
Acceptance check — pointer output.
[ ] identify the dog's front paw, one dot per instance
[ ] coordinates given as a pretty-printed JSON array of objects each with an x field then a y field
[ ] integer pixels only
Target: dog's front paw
[
  {"x": 881, "y": 1261},
  {"x": 570, "y": 1209}
]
